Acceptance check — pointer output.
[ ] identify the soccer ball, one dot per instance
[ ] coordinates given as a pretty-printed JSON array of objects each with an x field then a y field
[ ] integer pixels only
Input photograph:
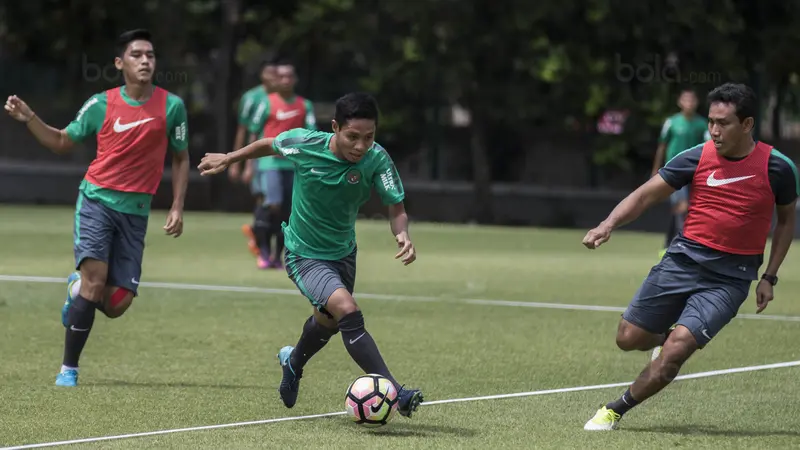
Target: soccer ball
[{"x": 371, "y": 400}]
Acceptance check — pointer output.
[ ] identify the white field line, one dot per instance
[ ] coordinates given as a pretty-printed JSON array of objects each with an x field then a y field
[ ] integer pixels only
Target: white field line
[
  {"x": 407, "y": 298},
  {"x": 693, "y": 376}
]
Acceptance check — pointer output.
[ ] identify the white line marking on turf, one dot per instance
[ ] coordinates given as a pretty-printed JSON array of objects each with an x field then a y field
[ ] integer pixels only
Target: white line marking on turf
[
  {"x": 411, "y": 298},
  {"x": 692, "y": 376}
]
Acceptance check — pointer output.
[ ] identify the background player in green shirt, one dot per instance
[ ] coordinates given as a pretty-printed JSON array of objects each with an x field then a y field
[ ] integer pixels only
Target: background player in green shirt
[
  {"x": 248, "y": 105},
  {"x": 335, "y": 174},
  {"x": 680, "y": 132},
  {"x": 280, "y": 111},
  {"x": 136, "y": 126}
]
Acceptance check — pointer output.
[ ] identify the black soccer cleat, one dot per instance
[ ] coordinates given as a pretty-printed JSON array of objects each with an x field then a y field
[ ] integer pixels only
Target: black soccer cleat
[
  {"x": 290, "y": 383},
  {"x": 408, "y": 401}
]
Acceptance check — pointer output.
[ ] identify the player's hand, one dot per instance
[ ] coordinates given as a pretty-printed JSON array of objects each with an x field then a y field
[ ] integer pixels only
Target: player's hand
[
  {"x": 407, "y": 251},
  {"x": 597, "y": 237},
  {"x": 213, "y": 163},
  {"x": 174, "y": 226},
  {"x": 18, "y": 109},
  {"x": 764, "y": 295}
]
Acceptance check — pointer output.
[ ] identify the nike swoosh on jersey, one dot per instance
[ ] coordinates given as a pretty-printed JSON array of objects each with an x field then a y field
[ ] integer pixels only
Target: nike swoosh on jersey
[
  {"x": 714, "y": 182},
  {"x": 119, "y": 127},
  {"x": 283, "y": 115}
]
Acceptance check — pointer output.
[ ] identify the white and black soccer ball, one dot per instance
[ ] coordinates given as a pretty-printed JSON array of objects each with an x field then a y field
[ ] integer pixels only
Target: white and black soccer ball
[{"x": 371, "y": 400}]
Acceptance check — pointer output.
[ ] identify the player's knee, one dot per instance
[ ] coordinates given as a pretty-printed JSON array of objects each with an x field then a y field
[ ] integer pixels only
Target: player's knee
[
  {"x": 341, "y": 304},
  {"x": 680, "y": 345},
  {"x": 630, "y": 337},
  {"x": 93, "y": 280},
  {"x": 116, "y": 301}
]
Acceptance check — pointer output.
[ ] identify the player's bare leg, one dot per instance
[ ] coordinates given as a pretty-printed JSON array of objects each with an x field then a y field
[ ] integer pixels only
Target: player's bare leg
[
  {"x": 631, "y": 338},
  {"x": 678, "y": 348}
]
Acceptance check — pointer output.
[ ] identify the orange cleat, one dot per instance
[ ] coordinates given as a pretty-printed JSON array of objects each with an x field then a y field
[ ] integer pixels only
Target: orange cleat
[{"x": 247, "y": 230}]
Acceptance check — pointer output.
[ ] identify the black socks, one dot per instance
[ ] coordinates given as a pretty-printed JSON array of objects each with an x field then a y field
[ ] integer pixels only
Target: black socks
[
  {"x": 624, "y": 404},
  {"x": 314, "y": 337},
  {"x": 261, "y": 231},
  {"x": 361, "y": 347},
  {"x": 80, "y": 319}
]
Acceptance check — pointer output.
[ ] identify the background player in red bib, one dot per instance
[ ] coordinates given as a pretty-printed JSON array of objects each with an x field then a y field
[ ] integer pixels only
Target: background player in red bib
[
  {"x": 706, "y": 274},
  {"x": 280, "y": 111},
  {"x": 135, "y": 125}
]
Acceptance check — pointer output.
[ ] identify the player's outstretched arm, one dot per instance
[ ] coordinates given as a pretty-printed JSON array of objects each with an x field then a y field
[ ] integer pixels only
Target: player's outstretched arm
[
  {"x": 214, "y": 163},
  {"x": 398, "y": 221},
  {"x": 56, "y": 140},
  {"x": 629, "y": 209}
]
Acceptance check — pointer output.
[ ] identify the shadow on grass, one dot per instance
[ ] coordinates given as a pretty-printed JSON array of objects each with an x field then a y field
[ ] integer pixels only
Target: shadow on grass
[
  {"x": 705, "y": 430},
  {"x": 396, "y": 428},
  {"x": 152, "y": 384}
]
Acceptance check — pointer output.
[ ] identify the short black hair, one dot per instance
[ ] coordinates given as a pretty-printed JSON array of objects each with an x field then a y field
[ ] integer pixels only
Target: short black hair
[
  {"x": 129, "y": 36},
  {"x": 739, "y": 95},
  {"x": 688, "y": 90},
  {"x": 356, "y": 105},
  {"x": 269, "y": 62}
]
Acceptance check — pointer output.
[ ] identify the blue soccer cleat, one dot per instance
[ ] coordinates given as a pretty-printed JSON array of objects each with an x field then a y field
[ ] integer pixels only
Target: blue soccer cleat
[
  {"x": 290, "y": 384},
  {"x": 73, "y": 278},
  {"x": 408, "y": 401},
  {"x": 68, "y": 378}
]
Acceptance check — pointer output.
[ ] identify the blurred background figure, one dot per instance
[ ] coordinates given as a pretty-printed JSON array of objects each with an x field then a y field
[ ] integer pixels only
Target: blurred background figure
[
  {"x": 680, "y": 132},
  {"x": 463, "y": 89}
]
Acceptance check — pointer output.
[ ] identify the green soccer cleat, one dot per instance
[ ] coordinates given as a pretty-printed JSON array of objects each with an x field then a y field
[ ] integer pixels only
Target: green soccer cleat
[{"x": 604, "y": 420}]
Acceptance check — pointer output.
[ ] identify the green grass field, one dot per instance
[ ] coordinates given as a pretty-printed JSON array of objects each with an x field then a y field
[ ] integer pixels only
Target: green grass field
[{"x": 197, "y": 357}]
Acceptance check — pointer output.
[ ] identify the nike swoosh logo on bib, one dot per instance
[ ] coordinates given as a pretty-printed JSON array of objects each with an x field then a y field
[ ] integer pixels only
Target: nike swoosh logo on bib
[
  {"x": 714, "y": 182},
  {"x": 119, "y": 127},
  {"x": 283, "y": 115}
]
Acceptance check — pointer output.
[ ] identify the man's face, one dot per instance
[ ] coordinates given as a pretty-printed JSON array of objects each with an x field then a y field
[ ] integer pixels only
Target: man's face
[
  {"x": 688, "y": 102},
  {"x": 138, "y": 63},
  {"x": 269, "y": 76},
  {"x": 354, "y": 138},
  {"x": 286, "y": 79},
  {"x": 725, "y": 128}
]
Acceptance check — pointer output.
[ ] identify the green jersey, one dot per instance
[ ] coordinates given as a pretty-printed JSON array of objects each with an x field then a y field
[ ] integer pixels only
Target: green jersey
[
  {"x": 680, "y": 133},
  {"x": 249, "y": 103},
  {"x": 328, "y": 192},
  {"x": 89, "y": 121},
  {"x": 273, "y": 116}
]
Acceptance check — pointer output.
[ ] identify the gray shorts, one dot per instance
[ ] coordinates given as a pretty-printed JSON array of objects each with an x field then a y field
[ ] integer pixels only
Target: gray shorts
[
  {"x": 317, "y": 279},
  {"x": 680, "y": 291},
  {"x": 112, "y": 237}
]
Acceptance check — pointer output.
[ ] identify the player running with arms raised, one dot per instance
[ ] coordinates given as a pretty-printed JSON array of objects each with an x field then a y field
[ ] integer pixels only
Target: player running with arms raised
[
  {"x": 335, "y": 173},
  {"x": 706, "y": 274},
  {"x": 134, "y": 124}
]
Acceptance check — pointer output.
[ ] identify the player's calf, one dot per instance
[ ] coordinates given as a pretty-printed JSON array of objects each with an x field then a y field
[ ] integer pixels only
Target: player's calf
[
  {"x": 357, "y": 340},
  {"x": 316, "y": 334},
  {"x": 116, "y": 301}
]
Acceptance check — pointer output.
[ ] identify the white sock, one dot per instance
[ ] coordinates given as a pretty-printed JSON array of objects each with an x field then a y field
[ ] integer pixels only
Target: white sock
[{"x": 66, "y": 368}]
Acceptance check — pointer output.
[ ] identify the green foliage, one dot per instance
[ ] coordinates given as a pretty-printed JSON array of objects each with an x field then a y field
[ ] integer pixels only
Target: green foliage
[{"x": 519, "y": 62}]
